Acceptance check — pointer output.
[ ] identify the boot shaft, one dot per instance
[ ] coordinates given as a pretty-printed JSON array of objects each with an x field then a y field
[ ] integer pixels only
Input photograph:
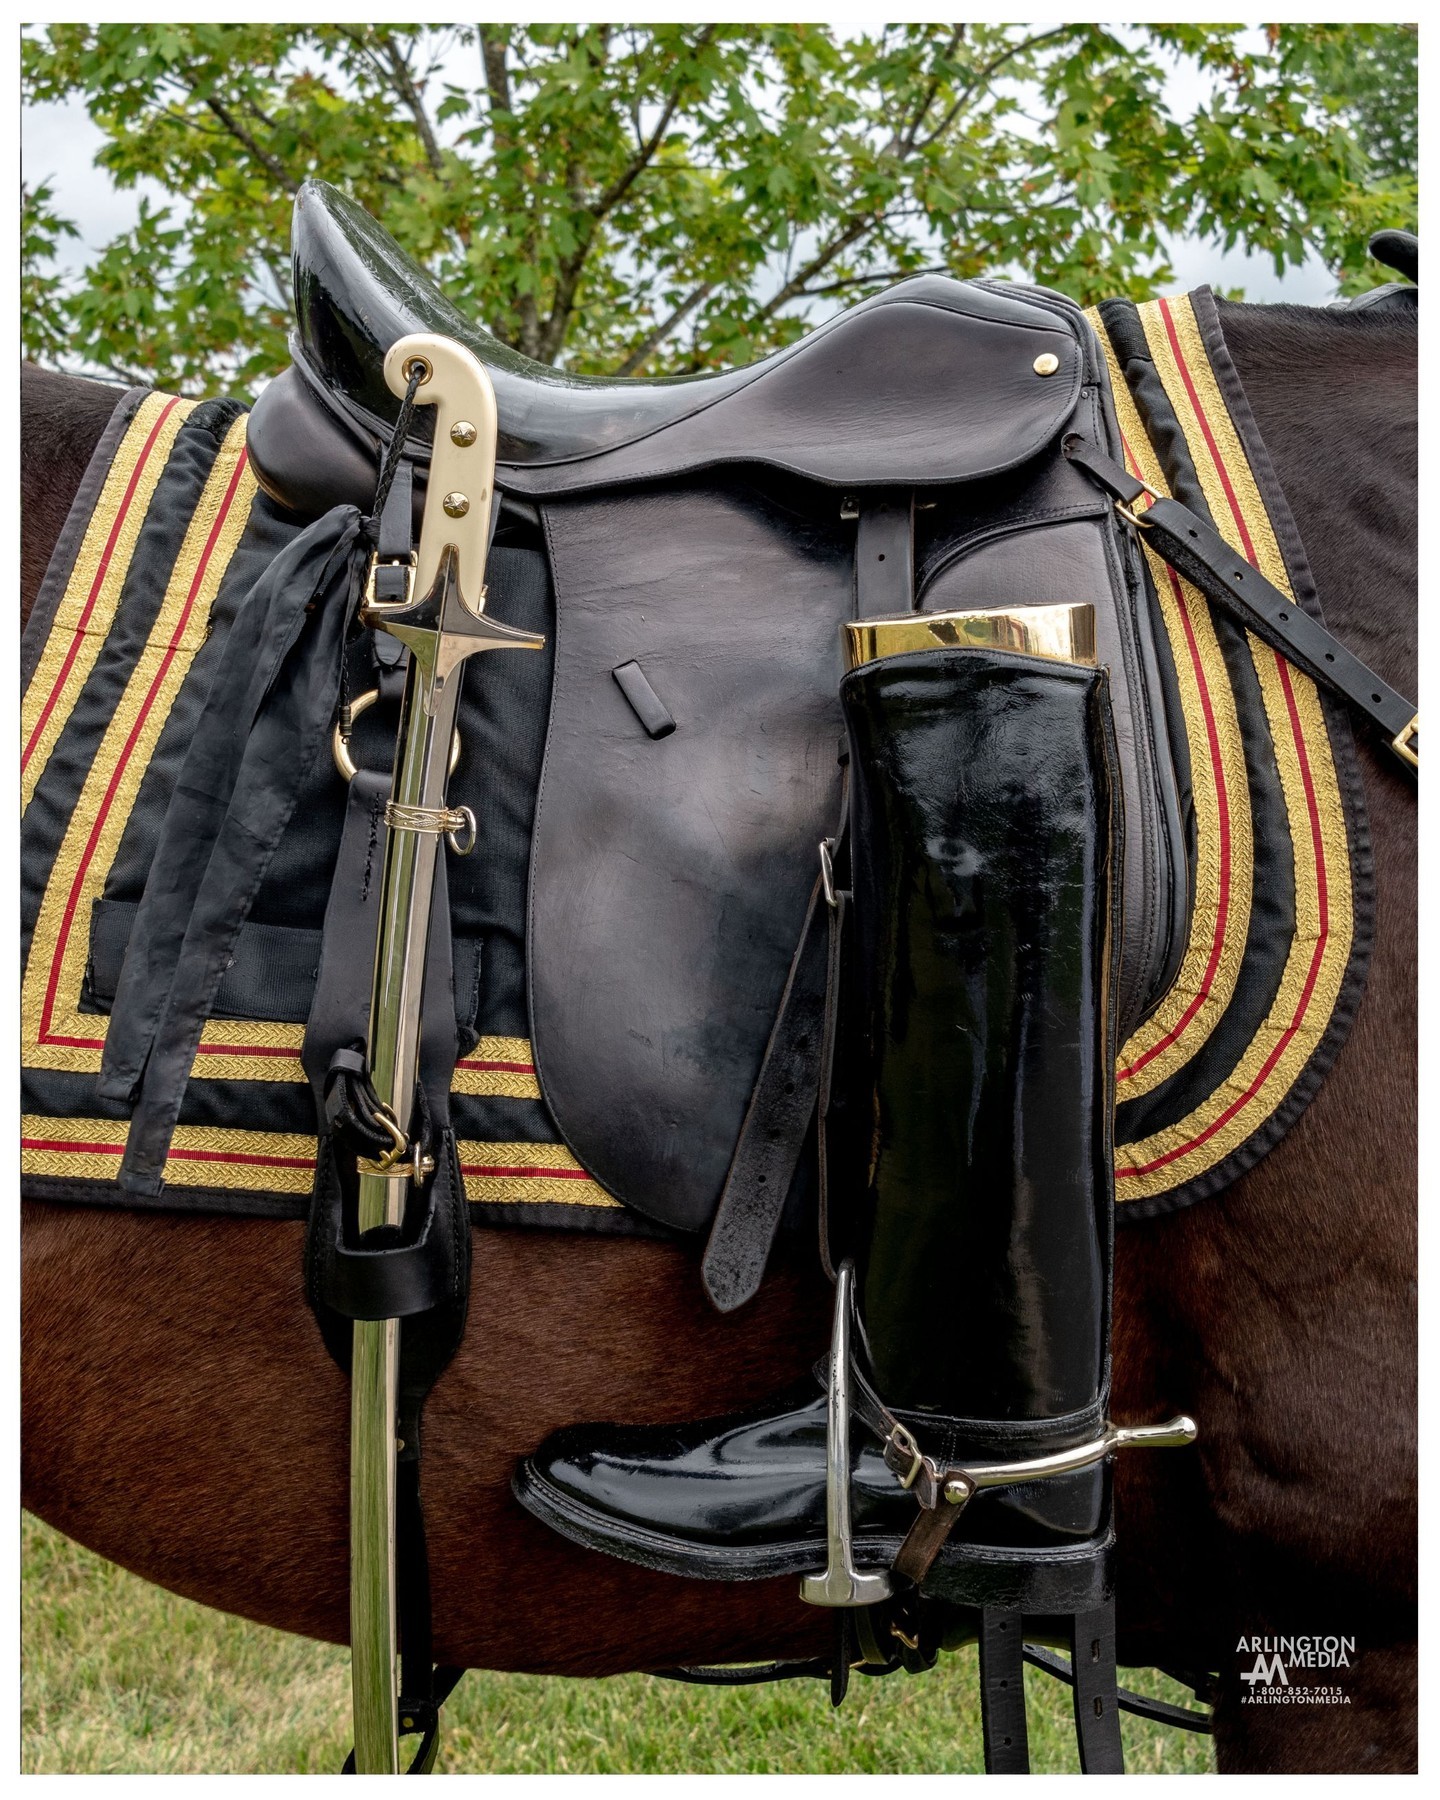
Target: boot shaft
[{"x": 977, "y": 1149}]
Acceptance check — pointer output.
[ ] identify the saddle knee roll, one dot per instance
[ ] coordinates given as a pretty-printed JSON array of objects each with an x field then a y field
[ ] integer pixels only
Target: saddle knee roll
[{"x": 971, "y": 1159}]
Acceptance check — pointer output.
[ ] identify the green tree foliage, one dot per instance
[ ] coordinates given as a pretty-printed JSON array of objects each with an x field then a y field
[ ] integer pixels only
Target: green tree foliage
[{"x": 676, "y": 196}]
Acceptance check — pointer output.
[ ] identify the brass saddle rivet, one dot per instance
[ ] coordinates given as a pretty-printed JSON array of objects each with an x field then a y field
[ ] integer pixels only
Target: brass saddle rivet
[
  {"x": 456, "y": 505},
  {"x": 463, "y": 433},
  {"x": 1046, "y": 364}
]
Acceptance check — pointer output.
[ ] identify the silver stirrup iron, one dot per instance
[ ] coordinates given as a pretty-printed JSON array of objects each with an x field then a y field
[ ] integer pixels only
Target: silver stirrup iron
[{"x": 842, "y": 1584}]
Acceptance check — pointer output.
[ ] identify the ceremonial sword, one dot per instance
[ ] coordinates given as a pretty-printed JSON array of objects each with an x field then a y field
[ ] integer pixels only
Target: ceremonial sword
[{"x": 441, "y": 627}]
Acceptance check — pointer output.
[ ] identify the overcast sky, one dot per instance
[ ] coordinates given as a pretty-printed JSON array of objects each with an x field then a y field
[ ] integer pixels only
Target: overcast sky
[{"x": 59, "y": 144}]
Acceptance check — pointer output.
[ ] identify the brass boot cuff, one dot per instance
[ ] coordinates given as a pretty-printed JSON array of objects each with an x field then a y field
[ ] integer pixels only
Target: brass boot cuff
[{"x": 1062, "y": 633}]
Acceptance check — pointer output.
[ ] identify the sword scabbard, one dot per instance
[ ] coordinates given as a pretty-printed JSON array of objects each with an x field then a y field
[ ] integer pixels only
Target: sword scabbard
[{"x": 442, "y": 621}]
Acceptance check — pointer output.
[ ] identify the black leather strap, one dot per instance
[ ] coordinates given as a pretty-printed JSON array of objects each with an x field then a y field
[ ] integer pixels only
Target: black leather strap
[
  {"x": 340, "y": 1009},
  {"x": 1097, "y": 1701},
  {"x": 775, "y": 1127},
  {"x": 1002, "y": 1691},
  {"x": 885, "y": 554},
  {"x": 393, "y": 566},
  {"x": 1197, "y": 551},
  {"x": 788, "y": 1091},
  {"x": 1159, "y": 1712}
]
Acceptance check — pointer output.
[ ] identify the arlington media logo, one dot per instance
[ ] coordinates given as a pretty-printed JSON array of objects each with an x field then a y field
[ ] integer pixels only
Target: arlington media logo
[{"x": 1270, "y": 1679}]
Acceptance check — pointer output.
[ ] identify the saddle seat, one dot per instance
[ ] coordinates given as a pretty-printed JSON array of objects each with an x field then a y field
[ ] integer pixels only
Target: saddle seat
[{"x": 933, "y": 381}]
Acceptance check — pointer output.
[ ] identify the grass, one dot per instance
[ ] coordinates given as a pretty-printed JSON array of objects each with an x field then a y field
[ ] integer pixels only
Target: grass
[{"x": 123, "y": 1678}]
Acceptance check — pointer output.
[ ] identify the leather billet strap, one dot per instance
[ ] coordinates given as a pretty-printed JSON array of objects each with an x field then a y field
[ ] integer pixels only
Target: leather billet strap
[
  {"x": 392, "y": 574},
  {"x": 784, "y": 1103},
  {"x": 1002, "y": 1691},
  {"x": 884, "y": 552},
  {"x": 1096, "y": 1691},
  {"x": 1196, "y": 550}
]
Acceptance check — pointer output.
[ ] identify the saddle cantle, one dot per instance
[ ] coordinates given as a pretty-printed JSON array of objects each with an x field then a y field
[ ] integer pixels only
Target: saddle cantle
[{"x": 705, "y": 539}]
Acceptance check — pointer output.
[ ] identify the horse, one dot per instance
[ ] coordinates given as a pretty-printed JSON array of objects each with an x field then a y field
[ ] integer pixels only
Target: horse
[{"x": 181, "y": 1417}]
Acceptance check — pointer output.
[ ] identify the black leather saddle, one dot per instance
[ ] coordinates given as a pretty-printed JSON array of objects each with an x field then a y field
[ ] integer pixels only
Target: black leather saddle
[{"x": 705, "y": 538}]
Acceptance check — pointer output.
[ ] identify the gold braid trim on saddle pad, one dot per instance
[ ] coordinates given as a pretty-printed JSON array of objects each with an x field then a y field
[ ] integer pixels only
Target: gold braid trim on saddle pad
[{"x": 1270, "y": 971}]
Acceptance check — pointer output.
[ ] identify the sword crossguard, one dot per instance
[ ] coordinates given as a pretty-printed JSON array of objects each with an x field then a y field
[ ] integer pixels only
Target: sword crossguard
[{"x": 444, "y": 625}]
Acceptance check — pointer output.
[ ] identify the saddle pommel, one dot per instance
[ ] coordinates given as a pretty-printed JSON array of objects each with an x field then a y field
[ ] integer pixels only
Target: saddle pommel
[{"x": 462, "y": 465}]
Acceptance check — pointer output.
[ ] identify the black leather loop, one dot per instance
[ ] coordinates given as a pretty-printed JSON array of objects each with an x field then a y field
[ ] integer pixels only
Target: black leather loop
[{"x": 384, "y": 1277}]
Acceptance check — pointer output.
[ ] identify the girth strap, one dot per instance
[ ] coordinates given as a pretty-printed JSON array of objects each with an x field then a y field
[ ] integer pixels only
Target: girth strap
[
  {"x": 1097, "y": 1702},
  {"x": 1193, "y": 547},
  {"x": 1002, "y": 1691}
]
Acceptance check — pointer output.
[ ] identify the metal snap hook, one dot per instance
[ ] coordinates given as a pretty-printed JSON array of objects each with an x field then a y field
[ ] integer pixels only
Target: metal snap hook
[{"x": 340, "y": 740}]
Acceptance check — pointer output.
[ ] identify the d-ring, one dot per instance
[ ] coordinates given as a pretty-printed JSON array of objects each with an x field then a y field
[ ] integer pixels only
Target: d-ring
[{"x": 340, "y": 742}]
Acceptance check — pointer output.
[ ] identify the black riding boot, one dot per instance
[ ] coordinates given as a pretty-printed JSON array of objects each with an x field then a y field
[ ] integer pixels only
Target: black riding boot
[{"x": 969, "y": 1172}]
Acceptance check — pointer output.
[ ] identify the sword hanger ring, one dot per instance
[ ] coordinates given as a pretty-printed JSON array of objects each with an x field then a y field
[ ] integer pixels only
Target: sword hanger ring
[
  {"x": 340, "y": 740},
  {"x": 462, "y": 845}
]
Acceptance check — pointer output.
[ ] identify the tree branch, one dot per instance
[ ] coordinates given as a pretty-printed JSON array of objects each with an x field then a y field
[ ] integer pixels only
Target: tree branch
[
  {"x": 411, "y": 95},
  {"x": 649, "y": 345},
  {"x": 912, "y": 131},
  {"x": 996, "y": 62},
  {"x": 268, "y": 162},
  {"x": 836, "y": 287},
  {"x": 640, "y": 161},
  {"x": 497, "y": 88},
  {"x": 856, "y": 229}
]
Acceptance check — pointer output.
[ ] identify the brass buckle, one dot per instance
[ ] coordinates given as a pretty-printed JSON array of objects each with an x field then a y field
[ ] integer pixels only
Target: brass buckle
[
  {"x": 382, "y": 1165},
  {"x": 1403, "y": 743},
  {"x": 906, "y": 1445},
  {"x": 1128, "y": 512},
  {"x": 407, "y": 563}
]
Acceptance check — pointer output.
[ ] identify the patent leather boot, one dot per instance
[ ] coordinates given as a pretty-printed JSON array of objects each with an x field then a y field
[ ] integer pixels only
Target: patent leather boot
[{"x": 968, "y": 1174}]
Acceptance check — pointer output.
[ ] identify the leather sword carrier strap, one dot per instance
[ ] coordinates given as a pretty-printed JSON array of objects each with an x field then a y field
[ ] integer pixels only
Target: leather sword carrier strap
[{"x": 418, "y": 1271}]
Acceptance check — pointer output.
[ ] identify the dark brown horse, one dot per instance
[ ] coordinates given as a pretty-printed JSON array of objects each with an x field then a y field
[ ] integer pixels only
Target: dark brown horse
[{"x": 182, "y": 1418}]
